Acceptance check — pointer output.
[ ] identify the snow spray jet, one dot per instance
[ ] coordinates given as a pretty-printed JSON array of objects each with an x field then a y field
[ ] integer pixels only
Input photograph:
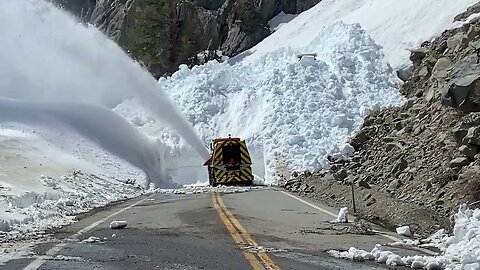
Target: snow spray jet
[
  {"x": 98, "y": 124},
  {"x": 47, "y": 56}
]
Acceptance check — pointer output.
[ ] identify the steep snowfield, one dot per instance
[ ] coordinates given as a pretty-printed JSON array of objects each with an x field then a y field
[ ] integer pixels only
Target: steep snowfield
[{"x": 396, "y": 26}]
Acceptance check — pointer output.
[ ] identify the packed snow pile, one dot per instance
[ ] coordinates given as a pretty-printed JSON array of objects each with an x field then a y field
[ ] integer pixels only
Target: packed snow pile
[
  {"x": 342, "y": 216},
  {"x": 48, "y": 175},
  {"x": 459, "y": 251},
  {"x": 199, "y": 189},
  {"x": 304, "y": 110}
]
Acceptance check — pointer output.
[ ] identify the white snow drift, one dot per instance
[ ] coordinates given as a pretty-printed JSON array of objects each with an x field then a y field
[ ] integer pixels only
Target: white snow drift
[
  {"x": 304, "y": 110},
  {"x": 460, "y": 251}
]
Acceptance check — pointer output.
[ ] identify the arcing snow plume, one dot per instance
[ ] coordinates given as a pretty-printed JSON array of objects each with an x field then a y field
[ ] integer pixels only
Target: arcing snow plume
[
  {"x": 49, "y": 57},
  {"x": 101, "y": 125}
]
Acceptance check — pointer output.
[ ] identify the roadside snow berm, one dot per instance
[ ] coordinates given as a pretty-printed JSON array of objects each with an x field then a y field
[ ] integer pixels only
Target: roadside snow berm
[{"x": 230, "y": 162}]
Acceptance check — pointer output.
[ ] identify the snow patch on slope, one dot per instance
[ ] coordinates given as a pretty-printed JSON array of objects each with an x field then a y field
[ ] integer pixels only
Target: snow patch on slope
[{"x": 396, "y": 26}]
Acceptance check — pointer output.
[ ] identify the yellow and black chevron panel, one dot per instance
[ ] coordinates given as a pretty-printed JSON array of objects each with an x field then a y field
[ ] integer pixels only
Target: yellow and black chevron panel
[
  {"x": 218, "y": 152},
  {"x": 244, "y": 153},
  {"x": 217, "y": 156},
  {"x": 231, "y": 177}
]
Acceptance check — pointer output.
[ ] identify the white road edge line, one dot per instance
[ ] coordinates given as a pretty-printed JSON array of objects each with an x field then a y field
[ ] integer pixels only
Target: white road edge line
[
  {"x": 309, "y": 204},
  {"x": 384, "y": 234},
  {"x": 55, "y": 249}
]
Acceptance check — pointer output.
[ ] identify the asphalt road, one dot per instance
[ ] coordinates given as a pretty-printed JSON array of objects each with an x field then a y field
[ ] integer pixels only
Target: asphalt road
[{"x": 262, "y": 229}]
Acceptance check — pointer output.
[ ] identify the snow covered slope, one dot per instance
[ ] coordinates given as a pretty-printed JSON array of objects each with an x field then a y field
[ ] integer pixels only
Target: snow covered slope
[
  {"x": 394, "y": 25},
  {"x": 298, "y": 112}
]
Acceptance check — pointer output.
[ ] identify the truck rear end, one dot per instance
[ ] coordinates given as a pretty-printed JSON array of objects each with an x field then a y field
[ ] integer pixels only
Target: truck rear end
[{"x": 230, "y": 163}]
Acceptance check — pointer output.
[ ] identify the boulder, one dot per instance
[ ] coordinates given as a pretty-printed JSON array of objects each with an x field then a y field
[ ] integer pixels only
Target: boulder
[
  {"x": 360, "y": 138},
  {"x": 472, "y": 32},
  {"x": 394, "y": 185},
  {"x": 472, "y": 137},
  {"x": 418, "y": 54},
  {"x": 423, "y": 72},
  {"x": 428, "y": 185},
  {"x": 341, "y": 175},
  {"x": 405, "y": 74},
  {"x": 463, "y": 90},
  {"x": 370, "y": 201},
  {"x": 468, "y": 150},
  {"x": 441, "y": 69},
  {"x": 459, "y": 134},
  {"x": 364, "y": 184},
  {"x": 454, "y": 41},
  {"x": 400, "y": 166},
  {"x": 459, "y": 162},
  {"x": 475, "y": 8}
]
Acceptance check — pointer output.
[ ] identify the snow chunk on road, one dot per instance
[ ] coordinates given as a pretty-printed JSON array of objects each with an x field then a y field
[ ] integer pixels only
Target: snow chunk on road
[
  {"x": 118, "y": 224},
  {"x": 342, "y": 216}
]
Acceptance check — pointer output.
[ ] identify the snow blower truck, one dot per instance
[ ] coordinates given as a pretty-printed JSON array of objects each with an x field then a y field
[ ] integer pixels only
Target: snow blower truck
[{"x": 230, "y": 163}]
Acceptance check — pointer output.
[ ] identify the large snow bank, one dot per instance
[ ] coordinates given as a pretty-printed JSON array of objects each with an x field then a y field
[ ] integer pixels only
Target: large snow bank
[
  {"x": 298, "y": 112},
  {"x": 459, "y": 251},
  {"x": 303, "y": 110}
]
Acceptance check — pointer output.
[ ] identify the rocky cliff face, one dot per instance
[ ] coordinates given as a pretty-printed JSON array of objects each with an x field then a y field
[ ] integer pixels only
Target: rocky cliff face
[
  {"x": 416, "y": 164},
  {"x": 165, "y": 33}
]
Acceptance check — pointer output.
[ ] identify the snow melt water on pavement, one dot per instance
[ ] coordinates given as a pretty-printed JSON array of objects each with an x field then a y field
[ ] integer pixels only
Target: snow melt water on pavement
[{"x": 459, "y": 251}]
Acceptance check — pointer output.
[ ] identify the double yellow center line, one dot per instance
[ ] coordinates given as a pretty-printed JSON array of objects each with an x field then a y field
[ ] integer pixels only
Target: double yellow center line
[{"x": 259, "y": 260}]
